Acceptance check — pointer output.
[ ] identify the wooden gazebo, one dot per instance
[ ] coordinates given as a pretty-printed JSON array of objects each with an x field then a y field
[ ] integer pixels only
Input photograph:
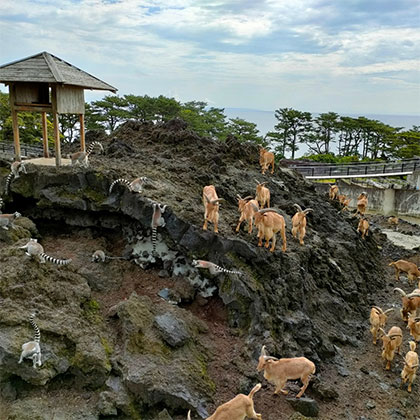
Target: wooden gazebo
[{"x": 47, "y": 84}]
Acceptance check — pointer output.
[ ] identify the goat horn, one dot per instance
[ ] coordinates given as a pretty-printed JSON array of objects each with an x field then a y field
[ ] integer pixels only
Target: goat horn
[
  {"x": 217, "y": 201},
  {"x": 189, "y": 415},
  {"x": 263, "y": 352},
  {"x": 400, "y": 291},
  {"x": 395, "y": 335},
  {"x": 249, "y": 197},
  {"x": 383, "y": 332},
  {"x": 307, "y": 211},
  {"x": 297, "y": 206},
  {"x": 239, "y": 197},
  {"x": 414, "y": 294},
  {"x": 378, "y": 308},
  {"x": 417, "y": 319},
  {"x": 262, "y": 211},
  {"x": 256, "y": 180},
  {"x": 270, "y": 358},
  {"x": 255, "y": 208},
  {"x": 388, "y": 310},
  {"x": 207, "y": 199}
]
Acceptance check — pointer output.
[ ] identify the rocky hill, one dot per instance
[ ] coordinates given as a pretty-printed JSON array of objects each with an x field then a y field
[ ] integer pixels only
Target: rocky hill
[{"x": 149, "y": 335}]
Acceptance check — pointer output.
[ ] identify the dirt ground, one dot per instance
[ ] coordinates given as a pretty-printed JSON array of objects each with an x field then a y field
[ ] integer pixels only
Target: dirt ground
[{"x": 365, "y": 389}]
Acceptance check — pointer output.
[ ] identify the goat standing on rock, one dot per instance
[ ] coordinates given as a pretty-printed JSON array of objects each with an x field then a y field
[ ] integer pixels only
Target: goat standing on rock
[
  {"x": 279, "y": 371},
  {"x": 299, "y": 223},
  {"x": 262, "y": 194},
  {"x": 377, "y": 320},
  {"x": 362, "y": 203},
  {"x": 211, "y": 207},
  {"x": 269, "y": 222},
  {"x": 237, "y": 408},
  {"x": 391, "y": 344},
  {"x": 363, "y": 227},
  {"x": 248, "y": 207},
  {"x": 408, "y": 267},
  {"x": 411, "y": 363},
  {"x": 410, "y": 302},
  {"x": 266, "y": 159}
]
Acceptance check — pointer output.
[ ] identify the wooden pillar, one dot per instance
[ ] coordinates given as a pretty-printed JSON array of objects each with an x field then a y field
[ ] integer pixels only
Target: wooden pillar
[
  {"x": 16, "y": 134},
  {"x": 56, "y": 126},
  {"x": 57, "y": 139},
  {"x": 82, "y": 132},
  {"x": 15, "y": 123},
  {"x": 45, "y": 134}
]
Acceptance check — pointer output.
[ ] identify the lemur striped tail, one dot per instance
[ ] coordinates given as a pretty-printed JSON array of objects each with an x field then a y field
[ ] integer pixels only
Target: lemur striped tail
[
  {"x": 1, "y": 203},
  {"x": 55, "y": 260},
  {"x": 92, "y": 146},
  {"x": 35, "y": 327},
  {"x": 154, "y": 238},
  {"x": 224, "y": 270},
  {"x": 120, "y": 181},
  {"x": 8, "y": 182}
]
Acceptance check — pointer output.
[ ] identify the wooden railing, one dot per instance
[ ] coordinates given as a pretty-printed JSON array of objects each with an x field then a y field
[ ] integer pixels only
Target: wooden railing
[{"x": 358, "y": 170}]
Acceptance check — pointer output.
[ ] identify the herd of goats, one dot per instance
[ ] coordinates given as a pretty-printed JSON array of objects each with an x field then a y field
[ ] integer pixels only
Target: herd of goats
[{"x": 268, "y": 221}]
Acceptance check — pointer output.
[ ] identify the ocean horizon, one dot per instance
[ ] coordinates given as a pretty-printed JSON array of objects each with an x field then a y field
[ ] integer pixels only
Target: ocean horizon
[{"x": 266, "y": 120}]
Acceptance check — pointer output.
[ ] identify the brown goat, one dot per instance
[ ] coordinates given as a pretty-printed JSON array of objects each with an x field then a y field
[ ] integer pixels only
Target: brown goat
[
  {"x": 408, "y": 267},
  {"x": 248, "y": 207},
  {"x": 279, "y": 371},
  {"x": 211, "y": 207},
  {"x": 362, "y": 203},
  {"x": 363, "y": 227},
  {"x": 391, "y": 344},
  {"x": 299, "y": 223},
  {"x": 410, "y": 302},
  {"x": 269, "y": 222},
  {"x": 333, "y": 192},
  {"x": 411, "y": 363},
  {"x": 414, "y": 326},
  {"x": 266, "y": 159},
  {"x": 237, "y": 408},
  {"x": 262, "y": 194},
  {"x": 377, "y": 320}
]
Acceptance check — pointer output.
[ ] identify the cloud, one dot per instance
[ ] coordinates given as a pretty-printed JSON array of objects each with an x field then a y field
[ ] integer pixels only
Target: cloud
[{"x": 235, "y": 53}]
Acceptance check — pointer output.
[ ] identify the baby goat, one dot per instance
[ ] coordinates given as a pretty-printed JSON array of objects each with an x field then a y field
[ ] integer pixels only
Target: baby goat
[
  {"x": 414, "y": 326},
  {"x": 262, "y": 194},
  {"x": 362, "y": 202},
  {"x": 377, "y": 320},
  {"x": 269, "y": 222},
  {"x": 248, "y": 207},
  {"x": 410, "y": 302},
  {"x": 363, "y": 227},
  {"x": 299, "y": 223},
  {"x": 266, "y": 159},
  {"x": 237, "y": 408},
  {"x": 391, "y": 344},
  {"x": 211, "y": 207},
  {"x": 408, "y": 267},
  {"x": 411, "y": 363},
  {"x": 333, "y": 192},
  {"x": 279, "y": 371}
]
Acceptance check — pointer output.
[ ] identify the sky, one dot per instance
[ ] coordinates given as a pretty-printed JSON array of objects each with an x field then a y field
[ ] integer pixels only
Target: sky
[{"x": 347, "y": 56}]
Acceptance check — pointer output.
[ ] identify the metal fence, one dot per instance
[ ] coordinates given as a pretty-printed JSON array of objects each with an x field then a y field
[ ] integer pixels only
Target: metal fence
[{"x": 359, "y": 169}]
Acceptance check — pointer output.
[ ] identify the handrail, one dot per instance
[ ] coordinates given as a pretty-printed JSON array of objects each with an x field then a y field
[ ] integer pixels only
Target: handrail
[
  {"x": 366, "y": 169},
  {"x": 25, "y": 150}
]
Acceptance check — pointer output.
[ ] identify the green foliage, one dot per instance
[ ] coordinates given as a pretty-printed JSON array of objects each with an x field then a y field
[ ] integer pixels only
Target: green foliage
[{"x": 244, "y": 130}]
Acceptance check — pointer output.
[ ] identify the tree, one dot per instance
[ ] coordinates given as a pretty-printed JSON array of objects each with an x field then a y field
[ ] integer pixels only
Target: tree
[
  {"x": 323, "y": 134},
  {"x": 292, "y": 125},
  {"x": 244, "y": 130},
  {"x": 110, "y": 111},
  {"x": 69, "y": 126}
]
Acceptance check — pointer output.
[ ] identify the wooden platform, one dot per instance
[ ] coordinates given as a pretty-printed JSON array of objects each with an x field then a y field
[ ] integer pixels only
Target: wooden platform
[{"x": 48, "y": 161}]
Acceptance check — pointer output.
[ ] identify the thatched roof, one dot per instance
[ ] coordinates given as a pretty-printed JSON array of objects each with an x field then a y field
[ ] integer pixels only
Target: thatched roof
[{"x": 47, "y": 68}]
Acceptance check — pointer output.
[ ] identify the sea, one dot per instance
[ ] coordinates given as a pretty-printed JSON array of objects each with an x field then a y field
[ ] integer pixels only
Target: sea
[{"x": 266, "y": 120}]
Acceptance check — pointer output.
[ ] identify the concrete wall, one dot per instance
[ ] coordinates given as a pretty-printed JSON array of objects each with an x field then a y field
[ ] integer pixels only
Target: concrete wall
[{"x": 385, "y": 201}]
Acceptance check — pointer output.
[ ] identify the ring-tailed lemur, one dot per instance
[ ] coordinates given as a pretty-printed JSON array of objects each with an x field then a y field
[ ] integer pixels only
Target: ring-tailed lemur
[
  {"x": 34, "y": 249},
  {"x": 135, "y": 186},
  {"x": 15, "y": 169},
  {"x": 100, "y": 256},
  {"x": 1, "y": 204},
  {"x": 157, "y": 221},
  {"x": 32, "y": 349},
  {"x": 82, "y": 157},
  {"x": 7, "y": 220},
  {"x": 213, "y": 268}
]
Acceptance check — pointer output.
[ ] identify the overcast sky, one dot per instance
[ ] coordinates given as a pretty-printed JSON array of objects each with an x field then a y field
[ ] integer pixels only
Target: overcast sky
[{"x": 347, "y": 56}]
